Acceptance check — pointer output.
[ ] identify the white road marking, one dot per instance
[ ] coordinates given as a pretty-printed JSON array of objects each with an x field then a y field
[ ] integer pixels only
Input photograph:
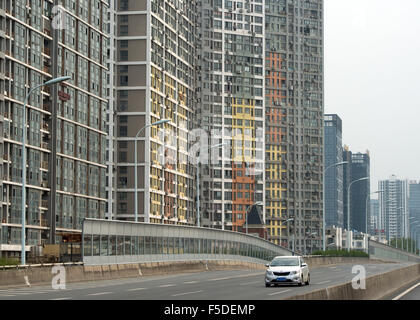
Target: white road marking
[
  {"x": 323, "y": 282},
  {"x": 246, "y": 283},
  {"x": 274, "y": 293},
  {"x": 136, "y": 289},
  {"x": 190, "y": 282},
  {"x": 7, "y": 295},
  {"x": 99, "y": 294},
  {"x": 183, "y": 294},
  {"x": 166, "y": 285},
  {"x": 406, "y": 291},
  {"x": 241, "y": 276},
  {"x": 333, "y": 267},
  {"x": 68, "y": 298}
]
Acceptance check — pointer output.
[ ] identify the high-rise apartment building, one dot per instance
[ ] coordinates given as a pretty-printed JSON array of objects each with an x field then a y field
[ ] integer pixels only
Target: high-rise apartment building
[
  {"x": 359, "y": 192},
  {"x": 334, "y": 174},
  {"x": 154, "y": 78},
  {"x": 414, "y": 210},
  {"x": 232, "y": 109},
  {"x": 65, "y": 132},
  {"x": 294, "y": 104},
  {"x": 374, "y": 216},
  {"x": 393, "y": 207}
]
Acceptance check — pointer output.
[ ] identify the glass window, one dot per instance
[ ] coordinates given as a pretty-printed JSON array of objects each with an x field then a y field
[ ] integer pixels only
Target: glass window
[
  {"x": 159, "y": 245},
  {"x": 113, "y": 245},
  {"x": 192, "y": 247},
  {"x": 147, "y": 249},
  {"x": 176, "y": 245},
  {"x": 170, "y": 245},
  {"x": 141, "y": 245},
  {"x": 95, "y": 246},
  {"x": 104, "y": 245},
  {"x": 165, "y": 245},
  {"x": 134, "y": 246},
  {"x": 187, "y": 245},
  {"x": 153, "y": 243},
  {"x": 120, "y": 245},
  {"x": 127, "y": 245},
  {"x": 87, "y": 245}
]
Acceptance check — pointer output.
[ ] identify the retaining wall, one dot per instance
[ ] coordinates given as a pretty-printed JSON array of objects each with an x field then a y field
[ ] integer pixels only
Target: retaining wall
[{"x": 377, "y": 286}]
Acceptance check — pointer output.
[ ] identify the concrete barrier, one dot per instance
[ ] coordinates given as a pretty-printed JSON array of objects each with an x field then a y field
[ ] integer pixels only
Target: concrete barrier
[
  {"x": 377, "y": 286},
  {"x": 42, "y": 275}
]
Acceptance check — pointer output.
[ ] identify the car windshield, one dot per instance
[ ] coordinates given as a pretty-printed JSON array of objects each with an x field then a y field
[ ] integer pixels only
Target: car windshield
[{"x": 287, "y": 262}]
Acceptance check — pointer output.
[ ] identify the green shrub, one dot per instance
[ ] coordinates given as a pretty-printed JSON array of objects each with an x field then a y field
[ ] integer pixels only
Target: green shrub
[
  {"x": 9, "y": 262},
  {"x": 340, "y": 253}
]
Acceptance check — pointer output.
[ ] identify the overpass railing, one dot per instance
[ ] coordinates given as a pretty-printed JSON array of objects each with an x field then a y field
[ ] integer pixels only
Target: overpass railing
[
  {"x": 382, "y": 251},
  {"x": 119, "y": 242}
]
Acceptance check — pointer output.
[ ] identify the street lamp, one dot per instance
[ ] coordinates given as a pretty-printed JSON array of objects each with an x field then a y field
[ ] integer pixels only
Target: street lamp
[
  {"x": 258, "y": 203},
  {"x": 348, "y": 208},
  {"x": 304, "y": 240},
  {"x": 396, "y": 239},
  {"x": 48, "y": 83},
  {"x": 288, "y": 234},
  {"x": 323, "y": 200},
  {"x": 135, "y": 164},
  {"x": 367, "y": 198},
  {"x": 198, "y": 181},
  {"x": 409, "y": 230}
]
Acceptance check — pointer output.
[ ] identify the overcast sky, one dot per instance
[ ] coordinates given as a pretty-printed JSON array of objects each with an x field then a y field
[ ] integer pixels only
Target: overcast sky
[{"x": 372, "y": 81}]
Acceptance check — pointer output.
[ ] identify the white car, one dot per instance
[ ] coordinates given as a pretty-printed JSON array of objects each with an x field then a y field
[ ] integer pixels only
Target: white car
[{"x": 287, "y": 270}]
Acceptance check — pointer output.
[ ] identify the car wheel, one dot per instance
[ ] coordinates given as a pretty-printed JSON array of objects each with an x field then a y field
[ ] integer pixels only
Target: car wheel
[
  {"x": 301, "y": 281},
  {"x": 308, "y": 280},
  {"x": 267, "y": 285}
]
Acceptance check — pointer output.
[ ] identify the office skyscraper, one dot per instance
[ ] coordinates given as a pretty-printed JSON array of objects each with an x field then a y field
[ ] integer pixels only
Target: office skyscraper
[
  {"x": 347, "y": 156},
  {"x": 334, "y": 175},
  {"x": 359, "y": 213},
  {"x": 65, "y": 131}
]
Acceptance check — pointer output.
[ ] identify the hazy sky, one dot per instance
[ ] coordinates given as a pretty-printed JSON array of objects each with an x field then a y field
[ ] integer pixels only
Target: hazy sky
[{"x": 372, "y": 81}]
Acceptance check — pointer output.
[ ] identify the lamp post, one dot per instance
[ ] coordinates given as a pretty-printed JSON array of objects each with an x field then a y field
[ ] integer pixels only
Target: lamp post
[
  {"x": 409, "y": 234},
  {"x": 198, "y": 181},
  {"x": 323, "y": 200},
  {"x": 288, "y": 234},
  {"x": 258, "y": 203},
  {"x": 348, "y": 208},
  {"x": 396, "y": 235},
  {"x": 135, "y": 165},
  {"x": 48, "y": 83},
  {"x": 367, "y": 198},
  {"x": 304, "y": 240},
  {"x": 415, "y": 236}
]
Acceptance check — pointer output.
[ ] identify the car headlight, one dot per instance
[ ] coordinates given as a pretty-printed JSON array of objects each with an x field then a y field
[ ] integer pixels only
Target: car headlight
[
  {"x": 293, "y": 272},
  {"x": 269, "y": 273}
]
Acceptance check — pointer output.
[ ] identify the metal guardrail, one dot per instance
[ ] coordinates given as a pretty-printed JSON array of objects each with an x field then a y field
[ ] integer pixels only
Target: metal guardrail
[{"x": 116, "y": 242}]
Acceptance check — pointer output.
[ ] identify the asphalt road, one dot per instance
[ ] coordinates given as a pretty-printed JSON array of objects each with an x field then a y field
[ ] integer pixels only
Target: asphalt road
[
  {"x": 409, "y": 292},
  {"x": 212, "y": 285}
]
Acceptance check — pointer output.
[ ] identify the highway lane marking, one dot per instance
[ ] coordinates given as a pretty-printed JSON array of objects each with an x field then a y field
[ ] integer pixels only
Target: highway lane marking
[
  {"x": 333, "y": 267},
  {"x": 136, "y": 289},
  {"x": 406, "y": 292},
  {"x": 246, "y": 283},
  {"x": 166, "y": 285},
  {"x": 67, "y": 298},
  {"x": 7, "y": 295},
  {"x": 323, "y": 282},
  {"x": 185, "y": 293},
  {"x": 241, "y": 276},
  {"x": 272, "y": 294},
  {"x": 190, "y": 282},
  {"x": 99, "y": 294}
]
